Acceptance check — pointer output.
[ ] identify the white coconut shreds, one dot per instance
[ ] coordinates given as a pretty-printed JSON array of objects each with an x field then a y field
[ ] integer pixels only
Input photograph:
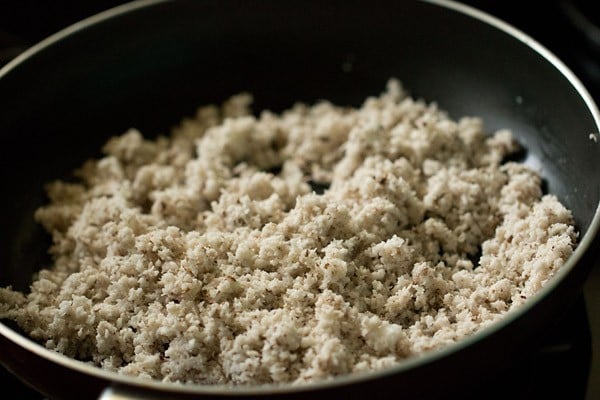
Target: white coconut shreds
[{"x": 207, "y": 257}]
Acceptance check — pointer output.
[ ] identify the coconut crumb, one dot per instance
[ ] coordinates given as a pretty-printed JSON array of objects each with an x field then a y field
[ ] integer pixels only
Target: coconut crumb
[{"x": 292, "y": 247}]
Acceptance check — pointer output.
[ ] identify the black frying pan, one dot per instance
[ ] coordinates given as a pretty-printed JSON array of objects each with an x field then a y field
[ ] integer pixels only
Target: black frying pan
[{"x": 150, "y": 63}]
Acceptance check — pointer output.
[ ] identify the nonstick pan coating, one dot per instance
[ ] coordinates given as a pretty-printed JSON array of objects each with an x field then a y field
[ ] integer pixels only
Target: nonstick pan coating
[{"x": 148, "y": 64}]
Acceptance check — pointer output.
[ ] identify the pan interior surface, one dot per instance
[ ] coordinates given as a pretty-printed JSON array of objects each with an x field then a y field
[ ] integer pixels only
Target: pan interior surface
[{"x": 152, "y": 66}]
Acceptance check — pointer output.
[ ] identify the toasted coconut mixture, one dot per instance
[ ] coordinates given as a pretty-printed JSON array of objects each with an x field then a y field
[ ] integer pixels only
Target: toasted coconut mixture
[{"x": 291, "y": 247}]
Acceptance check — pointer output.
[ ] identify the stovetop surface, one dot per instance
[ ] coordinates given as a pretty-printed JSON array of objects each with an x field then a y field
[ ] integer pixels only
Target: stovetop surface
[{"x": 563, "y": 367}]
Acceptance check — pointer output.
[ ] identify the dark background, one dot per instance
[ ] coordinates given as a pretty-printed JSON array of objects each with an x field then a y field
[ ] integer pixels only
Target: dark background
[
  {"x": 29, "y": 21},
  {"x": 556, "y": 24}
]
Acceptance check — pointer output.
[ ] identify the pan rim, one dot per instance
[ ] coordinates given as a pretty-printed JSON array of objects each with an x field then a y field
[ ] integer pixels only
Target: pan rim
[{"x": 410, "y": 363}]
